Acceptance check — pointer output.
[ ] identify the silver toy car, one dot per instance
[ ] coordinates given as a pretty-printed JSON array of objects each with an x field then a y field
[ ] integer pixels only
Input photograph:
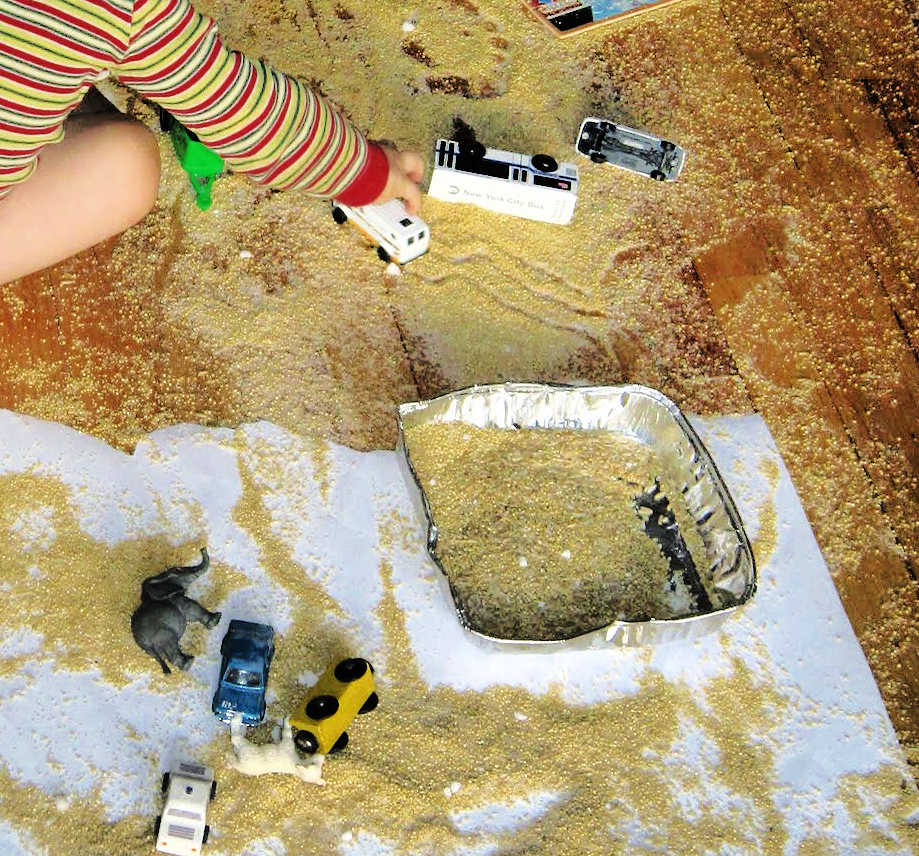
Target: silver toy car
[{"x": 605, "y": 142}]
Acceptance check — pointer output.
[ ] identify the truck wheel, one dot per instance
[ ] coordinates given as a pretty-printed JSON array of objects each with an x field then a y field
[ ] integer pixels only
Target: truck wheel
[
  {"x": 384, "y": 256},
  {"x": 213, "y": 789},
  {"x": 351, "y": 669},
  {"x": 667, "y": 146},
  {"x": 165, "y": 784},
  {"x": 340, "y": 743},
  {"x": 371, "y": 704},
  {"x": 657, "y": 175},
  {"x": 544, "y": 163},
  {"x": 156, "y": 825},
  {"x": 322, "y": 707},
  {"x": 339, "y": 216},
  {"x": 598, "y": 157},
  {"x": 306, "y": 742},
  {"x": 207, "y": 832}
]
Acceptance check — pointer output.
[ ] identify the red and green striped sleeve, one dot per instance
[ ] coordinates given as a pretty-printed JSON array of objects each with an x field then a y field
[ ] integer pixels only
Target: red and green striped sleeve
[
  {"x": 51, "y": 51},
  {"x": 260, "y": 121}
]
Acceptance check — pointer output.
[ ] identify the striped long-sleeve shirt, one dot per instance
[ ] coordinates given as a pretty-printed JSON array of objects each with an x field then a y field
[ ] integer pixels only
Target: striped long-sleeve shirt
[{"x": 260, "y": 121}]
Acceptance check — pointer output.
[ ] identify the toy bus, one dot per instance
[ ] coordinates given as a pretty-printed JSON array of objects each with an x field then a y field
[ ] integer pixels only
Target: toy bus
[
  {"x": 536, "y": 187},
  {"x": 344, "y": 690},
  {"x": 397, "y": 235}
]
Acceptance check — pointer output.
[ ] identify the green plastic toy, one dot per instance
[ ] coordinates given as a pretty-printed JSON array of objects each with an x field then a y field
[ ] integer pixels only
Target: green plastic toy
[{"x": 201, "y": 164}]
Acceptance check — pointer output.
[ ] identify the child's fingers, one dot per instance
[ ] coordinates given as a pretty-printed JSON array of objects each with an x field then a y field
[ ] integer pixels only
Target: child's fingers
[
  {"x": 411, "y": 194},
  {"x": 412, "y": 165},
  {"x": 406, "y": 169}
]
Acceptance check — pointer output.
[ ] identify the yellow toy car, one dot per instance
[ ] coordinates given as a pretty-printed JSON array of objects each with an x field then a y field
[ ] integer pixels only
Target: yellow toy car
[{"x": 344, "y": 690}]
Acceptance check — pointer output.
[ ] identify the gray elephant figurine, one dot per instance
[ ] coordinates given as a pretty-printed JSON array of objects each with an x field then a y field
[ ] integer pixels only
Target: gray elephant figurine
[{"x": 165, "y": 610}]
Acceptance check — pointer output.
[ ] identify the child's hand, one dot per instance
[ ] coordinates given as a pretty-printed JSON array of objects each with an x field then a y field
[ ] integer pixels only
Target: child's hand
[{"x": 406, "y": 169}]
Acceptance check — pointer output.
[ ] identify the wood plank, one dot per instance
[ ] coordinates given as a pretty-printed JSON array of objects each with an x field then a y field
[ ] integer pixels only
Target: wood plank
[{"x": 839, "y": 291}]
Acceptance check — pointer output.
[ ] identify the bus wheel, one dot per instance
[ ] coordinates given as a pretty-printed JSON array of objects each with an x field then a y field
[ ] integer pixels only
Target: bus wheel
[
  {"x": 598, "y": 157},
  {"x": 544, "y": 163},
  {"x": 657, "y": 175},
  {"x": 339, "y": 216},
  {"x": 472, "y": 149},
  {"x": 384, "y": 256}
]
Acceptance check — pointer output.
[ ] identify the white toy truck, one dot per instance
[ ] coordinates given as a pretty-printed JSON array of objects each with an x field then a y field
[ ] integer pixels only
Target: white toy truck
[{"x": 182, "y": 828}]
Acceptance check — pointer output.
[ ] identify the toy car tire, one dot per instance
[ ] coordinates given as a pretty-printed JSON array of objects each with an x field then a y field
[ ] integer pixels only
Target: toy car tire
[
  {"x": 207, "y": 832},
  {"x": 384, "y": 256},
  {"x": 598, "y": 157},
  {"x": 351, "y": 669},
  {"x": 657, "y": 175},
  {"x": 156, "y": 825},
  {"x": 164, "y": 786},
  {"x": 544, "y": 163},
  {"x": 322, "y": 707},
  {"x": 339, "y": 216},
  {"x": 340, "y": 744},
  {"x": 306, "y": 742},
  {"x": 371, "y": 704},
  {"x": 667, "y": 146},
  {"x": 213, "y": 790},
  {"x": 473, "y": 150}
]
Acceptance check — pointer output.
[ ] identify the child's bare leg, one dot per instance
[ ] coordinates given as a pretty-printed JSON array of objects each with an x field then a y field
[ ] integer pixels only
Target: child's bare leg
[{"x": 100, "y": 179}]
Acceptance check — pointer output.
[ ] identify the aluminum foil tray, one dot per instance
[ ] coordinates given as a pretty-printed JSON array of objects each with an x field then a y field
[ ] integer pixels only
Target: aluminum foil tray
[{"x": 646, "y": 416}]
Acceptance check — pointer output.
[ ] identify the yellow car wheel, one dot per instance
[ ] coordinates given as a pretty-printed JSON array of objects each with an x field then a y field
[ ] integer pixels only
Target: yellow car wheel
[
  {"x": 322, "y": 707},
  {"x": 371, "y": 704},
  {"x": 306, "y": 742}
]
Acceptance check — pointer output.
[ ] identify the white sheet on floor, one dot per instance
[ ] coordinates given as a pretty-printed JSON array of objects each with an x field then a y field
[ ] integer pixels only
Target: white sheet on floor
[{"x": 836, "y": 724}]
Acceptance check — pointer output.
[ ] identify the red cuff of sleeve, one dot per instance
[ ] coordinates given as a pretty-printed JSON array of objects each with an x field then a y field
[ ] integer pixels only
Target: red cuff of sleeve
[{"x": 370, "y": 180}]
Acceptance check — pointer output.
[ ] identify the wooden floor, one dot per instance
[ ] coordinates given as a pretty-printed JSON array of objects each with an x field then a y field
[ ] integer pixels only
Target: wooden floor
[{"x": 825, "y": 343}]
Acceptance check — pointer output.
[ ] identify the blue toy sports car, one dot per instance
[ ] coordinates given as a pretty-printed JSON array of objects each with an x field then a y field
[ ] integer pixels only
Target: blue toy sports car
[{"x": 247, "y": 649}]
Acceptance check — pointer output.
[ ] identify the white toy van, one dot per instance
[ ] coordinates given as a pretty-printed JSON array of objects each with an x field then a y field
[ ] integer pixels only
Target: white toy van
[
  {"x": 397, "y": 235},
  {"x": 182, "y": 827},
  {"x": 536, "y": 187}
]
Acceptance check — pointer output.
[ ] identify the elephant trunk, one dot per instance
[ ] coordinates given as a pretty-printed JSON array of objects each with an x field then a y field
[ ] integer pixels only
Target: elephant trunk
[{"x": 202, "y": 566}]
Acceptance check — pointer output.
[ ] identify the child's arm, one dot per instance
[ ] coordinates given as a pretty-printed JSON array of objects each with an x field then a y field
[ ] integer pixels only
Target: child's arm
[{"x": 260, "y": 121}]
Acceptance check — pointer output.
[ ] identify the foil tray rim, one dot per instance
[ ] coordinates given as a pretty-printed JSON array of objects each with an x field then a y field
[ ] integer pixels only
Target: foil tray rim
[{"x": 619, "y": 632}]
